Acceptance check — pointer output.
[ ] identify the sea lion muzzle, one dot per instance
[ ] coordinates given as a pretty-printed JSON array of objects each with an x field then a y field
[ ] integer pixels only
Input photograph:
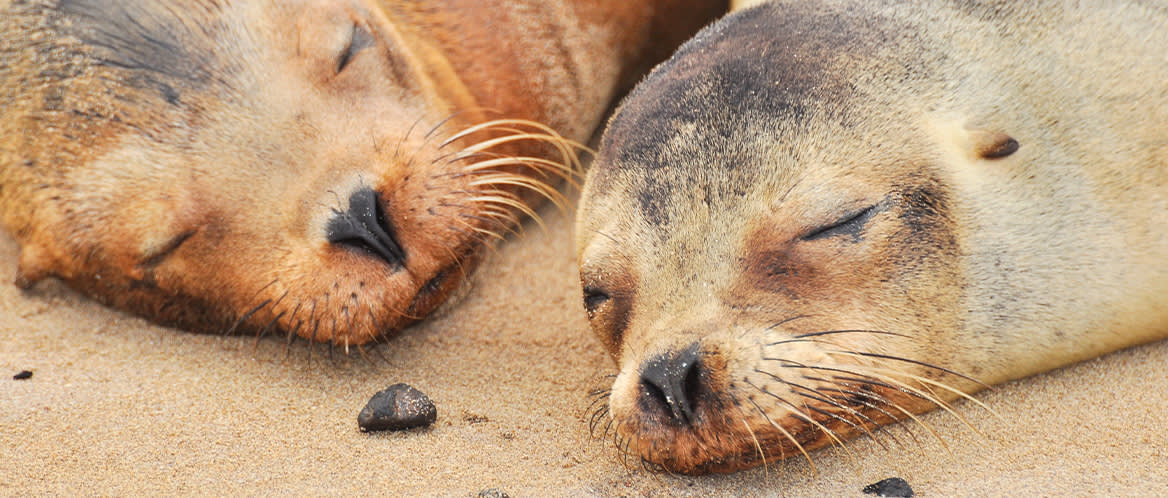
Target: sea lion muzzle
[{"x": 364, "y": 226}]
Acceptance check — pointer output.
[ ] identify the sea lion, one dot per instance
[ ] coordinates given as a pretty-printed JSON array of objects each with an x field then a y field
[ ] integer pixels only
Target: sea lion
[
  {"x": 820, "y": 217},
  {"x": 330, "y": 169}
]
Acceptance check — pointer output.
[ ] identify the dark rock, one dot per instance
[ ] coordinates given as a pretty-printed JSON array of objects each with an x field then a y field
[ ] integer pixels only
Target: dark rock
[
  {"x": 893, "y": 486},
  {"x": 24, "y": 374},
  {"x": 396, "y": 408},
  {"x": 492, "y": 493}
]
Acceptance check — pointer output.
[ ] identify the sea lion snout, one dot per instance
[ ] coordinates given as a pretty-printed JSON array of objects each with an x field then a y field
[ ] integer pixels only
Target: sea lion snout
[
  {"x": 672, "y": 384},
  {"x": 364, "y": 226}
]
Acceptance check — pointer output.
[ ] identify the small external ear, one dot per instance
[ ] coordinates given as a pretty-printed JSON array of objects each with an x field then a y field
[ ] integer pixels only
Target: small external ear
[{"x": 992, "y": 145}]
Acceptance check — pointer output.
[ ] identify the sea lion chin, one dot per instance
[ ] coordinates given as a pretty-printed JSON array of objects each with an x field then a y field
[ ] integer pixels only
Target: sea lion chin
[
  {"x": 326, "y": 169},
  {"x": 820, "y": 217}
]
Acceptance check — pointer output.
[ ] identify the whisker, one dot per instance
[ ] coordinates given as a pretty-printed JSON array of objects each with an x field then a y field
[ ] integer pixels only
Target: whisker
[
  {"x": 625, "y": 449},
  {"x": 918, "y": 363},
  {"x": 833, "y": 332},
  {"x": 599, "y": 398},
  {"x": 807, "y": 418},
  {"x": 315, "y": 325},
  {"x": 757, "y": 446},
  {"x": 601, "y": 392},
  {"x": 443, "y": 121},
  {"x": 378, "y": 340},
  {"x": 784, "y": 322},
  {"x": 401, "y": 141},
  {"x": 568, "y": 169},
  {"x": 853, "y": 394},
  {"x": 814, "y": 469},
  {"x": 492, "y": 219},
  {"x": 874, "y": 381},
  {"x": 815, "y": 395},
  {"x": 502, "y": 198},
  {"x": 548, "y": 134},
  {"x": 291, "y": 336},
  {"x": 332, "y": 342},
  {"x": 523, "y": 182},
  {"x": 608, "y": 426},
  {"x": 564, "y": 146},
  {"x": 264, "y": 331},
  {"x": 480, "y": 231},
  {"x": 908, "y": 414},
  {"x": 246, "y": 316},
  {"x": 292, "y": 331},
  {"x": 256, "y": 344},
  {"x": 595, "y": 419},
  {"x": 925, "y": 380},
  {"x": 885, "y": 376},
  {"x": 541, "y": 165}
]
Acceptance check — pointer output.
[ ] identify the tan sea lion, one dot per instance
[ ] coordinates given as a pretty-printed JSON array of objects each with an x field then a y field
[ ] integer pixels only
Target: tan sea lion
[
  {"x": 325, "y": 168},
  {"x": 820, "y": 217}
]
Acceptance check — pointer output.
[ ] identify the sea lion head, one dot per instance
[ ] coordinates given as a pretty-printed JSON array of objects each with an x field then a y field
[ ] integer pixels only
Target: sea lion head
[
  {"x": 308, "y": 167},
  {"x": 770, "y": 247}
]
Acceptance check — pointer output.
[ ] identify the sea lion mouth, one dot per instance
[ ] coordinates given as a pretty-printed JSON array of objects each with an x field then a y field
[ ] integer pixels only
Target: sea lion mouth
[
  {"x": 364, "y": 227},
  {"x": 690, "y": 411}
]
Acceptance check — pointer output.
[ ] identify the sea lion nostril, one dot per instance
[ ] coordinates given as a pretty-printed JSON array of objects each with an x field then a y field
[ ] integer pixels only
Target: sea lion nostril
[
  {"x": 672, "y": 382},
  {"x": 365, "y": 226}
]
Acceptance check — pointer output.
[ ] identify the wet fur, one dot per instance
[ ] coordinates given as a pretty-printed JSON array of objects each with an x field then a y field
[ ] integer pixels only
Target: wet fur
[{"x": 1006, "y": 168}]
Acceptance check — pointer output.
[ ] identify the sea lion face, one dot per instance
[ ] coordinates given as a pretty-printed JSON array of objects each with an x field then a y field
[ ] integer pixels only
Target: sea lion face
[
  {"x": 290, "y": 166},
  {"x": 768, "y": 268}
]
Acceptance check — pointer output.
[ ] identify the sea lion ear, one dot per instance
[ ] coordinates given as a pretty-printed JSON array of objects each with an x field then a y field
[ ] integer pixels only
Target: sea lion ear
[{"x": 992, "y": 144}]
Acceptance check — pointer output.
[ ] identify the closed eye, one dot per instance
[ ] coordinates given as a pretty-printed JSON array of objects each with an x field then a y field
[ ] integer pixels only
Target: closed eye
[
  {"x": 359, "y": 39},
  {"x": 851, "y": 225},
  {"x": 593, "y": 299}
]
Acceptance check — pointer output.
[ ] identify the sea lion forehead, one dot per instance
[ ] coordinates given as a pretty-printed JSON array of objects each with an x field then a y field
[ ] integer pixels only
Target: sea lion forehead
[
  {"x": 747, "y": 100},
  {"x": 138, "y": 36},
  {"x": 772, "y": 65}
]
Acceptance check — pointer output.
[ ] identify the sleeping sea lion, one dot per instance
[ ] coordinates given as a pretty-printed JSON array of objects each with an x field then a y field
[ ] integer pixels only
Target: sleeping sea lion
[
  {"x": 819, "y": 217},
  {"x": 330, "y": 169}
]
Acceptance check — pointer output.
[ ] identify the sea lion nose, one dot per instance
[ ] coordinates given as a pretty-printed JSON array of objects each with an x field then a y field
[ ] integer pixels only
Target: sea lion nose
[
  {"x": 364, "y": 226},
  {"x": 671, "y": 382}
]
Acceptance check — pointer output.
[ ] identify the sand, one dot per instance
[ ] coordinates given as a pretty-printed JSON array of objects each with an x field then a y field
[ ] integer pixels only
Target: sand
[{"x": 117, "y": 406}]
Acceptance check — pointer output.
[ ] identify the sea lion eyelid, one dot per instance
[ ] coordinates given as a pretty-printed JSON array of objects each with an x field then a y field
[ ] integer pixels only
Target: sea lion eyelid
[
  {"x": 359, "y": 39},
  {"x": 850, "y": 224},
  {"x": 593, "y": 298}
]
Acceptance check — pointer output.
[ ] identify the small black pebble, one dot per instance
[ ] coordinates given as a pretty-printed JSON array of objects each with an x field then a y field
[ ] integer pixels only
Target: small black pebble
[
  {"x": 396, "y": 408},
  {"x": 24, "y": 374},
  {"x": 492, "y": 493},
  {"x": 893, "y": 486}
]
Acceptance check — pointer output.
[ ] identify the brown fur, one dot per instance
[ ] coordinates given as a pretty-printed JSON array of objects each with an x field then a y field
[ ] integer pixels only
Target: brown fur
[
  {"x": 183, "y": 160},
  {"x": 820, "y": 217}
]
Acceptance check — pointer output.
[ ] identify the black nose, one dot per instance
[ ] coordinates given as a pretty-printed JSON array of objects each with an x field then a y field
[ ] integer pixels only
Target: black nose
[
  {"x": 364, "y": 226},
  {"x": 672, "y": 382}
]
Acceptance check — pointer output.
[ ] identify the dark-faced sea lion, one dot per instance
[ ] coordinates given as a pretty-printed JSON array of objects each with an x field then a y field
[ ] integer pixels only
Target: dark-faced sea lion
[
  {"x": 820, "y": 217},
  {"x": 324, "y": 168}
]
